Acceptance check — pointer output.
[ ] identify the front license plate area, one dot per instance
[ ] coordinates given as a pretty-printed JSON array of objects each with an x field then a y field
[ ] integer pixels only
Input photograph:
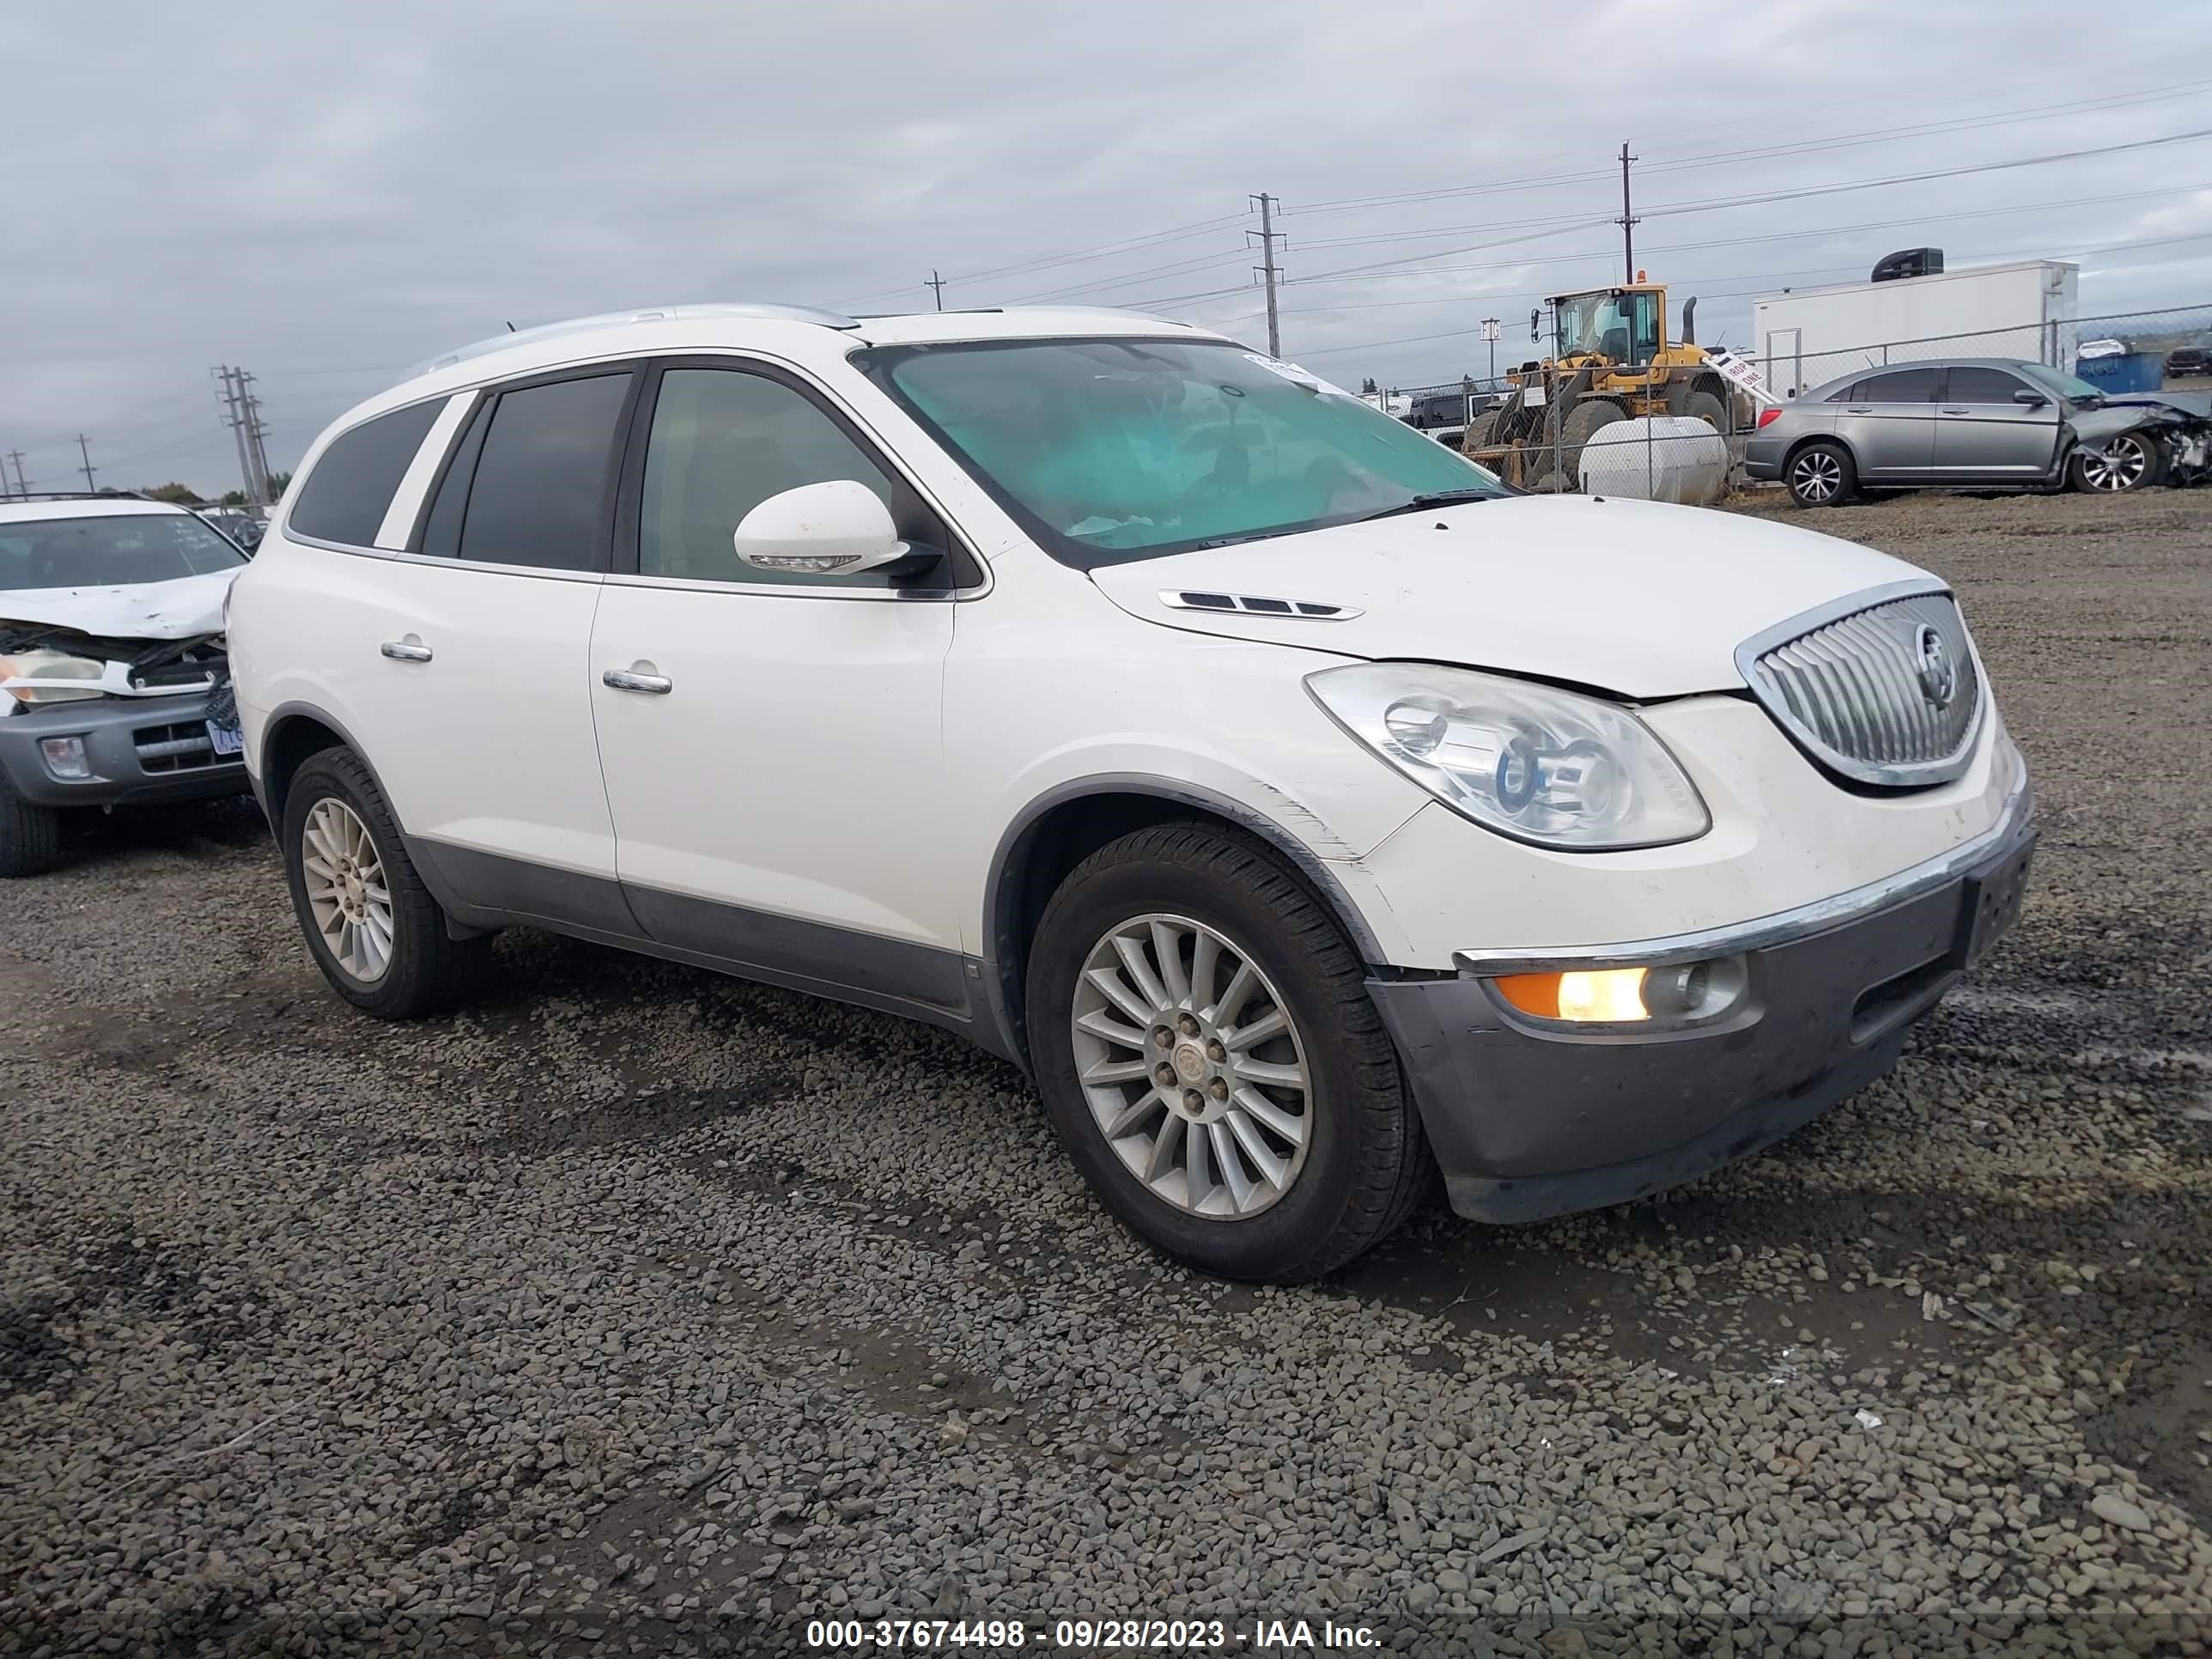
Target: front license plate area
[
  {"x": 227, "y": 736},
  {"x": 1993, "y": 900}
]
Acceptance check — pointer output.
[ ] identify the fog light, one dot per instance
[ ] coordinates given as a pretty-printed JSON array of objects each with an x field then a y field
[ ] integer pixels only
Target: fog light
[
  {"x": 66, "y": 758},
  {"x": 1608, "y": 995}
]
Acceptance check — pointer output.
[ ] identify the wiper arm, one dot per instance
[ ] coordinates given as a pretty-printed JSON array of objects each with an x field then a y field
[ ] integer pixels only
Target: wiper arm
[{"x": 1433, "y": 498}]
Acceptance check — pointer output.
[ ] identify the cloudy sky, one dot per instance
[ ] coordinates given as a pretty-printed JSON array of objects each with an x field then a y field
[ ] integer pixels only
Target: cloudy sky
[{"x": 326, "y": 194}]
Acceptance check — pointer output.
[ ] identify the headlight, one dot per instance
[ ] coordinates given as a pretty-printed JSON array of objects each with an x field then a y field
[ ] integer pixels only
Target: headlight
[
  {"x": 50, "y": 665},
  {"x": 1530, "y": 762}
]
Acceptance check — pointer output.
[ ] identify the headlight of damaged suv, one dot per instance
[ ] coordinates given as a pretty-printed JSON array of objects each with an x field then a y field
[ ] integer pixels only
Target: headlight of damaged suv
[
  {"x": 1528, "y": 761},
  {"x": 48, "y": 665}
]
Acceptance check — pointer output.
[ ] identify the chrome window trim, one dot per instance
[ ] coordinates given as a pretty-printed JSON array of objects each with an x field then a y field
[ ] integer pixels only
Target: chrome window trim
[
  {"x": 444, "y": 564},
  {"x": 1782, "y": 927},
  {"x": 1912, "y": 774}
]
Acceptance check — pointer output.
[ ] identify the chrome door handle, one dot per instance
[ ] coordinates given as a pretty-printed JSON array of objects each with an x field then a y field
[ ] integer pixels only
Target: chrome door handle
[
  {"x": 626, "y": 679},
  {"x": 1862, "y": 409},
  {"x": 1957, "y": 411},
  {"x": 410, "y": 649}
]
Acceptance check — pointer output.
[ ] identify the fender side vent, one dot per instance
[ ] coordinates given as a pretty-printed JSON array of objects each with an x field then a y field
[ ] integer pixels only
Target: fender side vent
[{"x": 1252, "y": 605}]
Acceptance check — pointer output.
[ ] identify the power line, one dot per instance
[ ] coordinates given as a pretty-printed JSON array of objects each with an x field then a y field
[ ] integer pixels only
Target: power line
[
  {"x": 1717, "y": 204},
  {"x": 1758, "y": 285},
  {"x": 1581, "y": 255}
]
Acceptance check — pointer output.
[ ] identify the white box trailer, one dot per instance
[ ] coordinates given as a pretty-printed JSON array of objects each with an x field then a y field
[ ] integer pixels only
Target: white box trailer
[{"x": 2025, "y": 309}]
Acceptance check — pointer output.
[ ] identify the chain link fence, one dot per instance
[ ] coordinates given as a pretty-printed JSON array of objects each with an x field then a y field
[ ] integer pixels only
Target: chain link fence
[{"x": 2170, "y": 347}]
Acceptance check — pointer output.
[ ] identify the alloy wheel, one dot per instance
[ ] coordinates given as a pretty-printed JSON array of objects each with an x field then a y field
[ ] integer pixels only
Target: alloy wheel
[
  {"x": 2120, "y": 465},
  {"x": 1816, "y": 476},
  {"x": 1193, "y": 1065},
  {"x": 346, "y": 893}
]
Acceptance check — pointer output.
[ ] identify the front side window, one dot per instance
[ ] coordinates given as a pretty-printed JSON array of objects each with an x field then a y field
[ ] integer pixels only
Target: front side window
[
  {"x": 1120, "y": 449},
  {"x": 723, "y": 442},
  {"x": 1981, "y": 385},
  {"x": 346, "y": 493},
  {"x": 1644, "y": 327},
  {"x": 111, "y": 549},
  {"x": 542, "y": 491}
]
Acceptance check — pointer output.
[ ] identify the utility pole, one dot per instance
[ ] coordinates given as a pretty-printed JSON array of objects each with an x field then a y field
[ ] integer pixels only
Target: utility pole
[
  {"x": 240, "y": 407},
  {"x": 1628, "y": 220},
  {"x": 88, "y": 469},
  {"x": 1269, "y": 272},
  {"x": 256, "y": 430},
  {"x": 936, "y": 284},
  {"x": 22, "y": 489}
]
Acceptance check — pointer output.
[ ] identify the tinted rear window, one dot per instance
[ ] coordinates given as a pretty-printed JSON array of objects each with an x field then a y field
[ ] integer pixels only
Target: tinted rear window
[
  {"x": 346, "y": 495},
  {"x": 540, "y": 496},
  {"x": 1907, "y": 385}
]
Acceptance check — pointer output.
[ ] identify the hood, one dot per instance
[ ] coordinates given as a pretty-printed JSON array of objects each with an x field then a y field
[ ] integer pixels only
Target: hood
[
  {"x": 2195, "y": 405},
  {"x": 179, "y": 610},
  {"x": 1635, "y": 598}
]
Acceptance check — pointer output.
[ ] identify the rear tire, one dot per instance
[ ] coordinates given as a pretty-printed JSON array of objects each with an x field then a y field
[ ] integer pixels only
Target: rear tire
[
  {"x": 2134, "y": 460},
  {"x": 30, "y": 836},
  {"x": 1358, "y": 1161},
  {"x": 1702, "y": 405},
  {"x": 1821, "y": 475},
  {"x": 399, "y": 962}
]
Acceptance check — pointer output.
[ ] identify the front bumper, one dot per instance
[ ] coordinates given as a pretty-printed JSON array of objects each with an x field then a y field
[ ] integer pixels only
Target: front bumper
[
  {"x": 140, "y": 751},
  {"x": 1530, "y": 1119}
]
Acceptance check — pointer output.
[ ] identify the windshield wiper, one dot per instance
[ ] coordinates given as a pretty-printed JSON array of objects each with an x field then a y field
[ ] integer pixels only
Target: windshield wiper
[{"x": 1433, "y": 498}]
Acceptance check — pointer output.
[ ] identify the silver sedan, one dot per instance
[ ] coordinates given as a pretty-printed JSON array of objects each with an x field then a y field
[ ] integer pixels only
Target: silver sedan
[{"x": 1956, "y": 423}]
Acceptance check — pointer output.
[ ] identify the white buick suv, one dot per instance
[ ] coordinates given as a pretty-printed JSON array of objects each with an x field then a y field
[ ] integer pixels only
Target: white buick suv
[{"x": 1306, "y": 812}]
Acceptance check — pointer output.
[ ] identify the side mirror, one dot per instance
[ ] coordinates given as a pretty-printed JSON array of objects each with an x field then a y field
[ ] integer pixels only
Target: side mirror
[
  {"x": 2031, "y": 400},
  {"x": 837, "y": 528}
]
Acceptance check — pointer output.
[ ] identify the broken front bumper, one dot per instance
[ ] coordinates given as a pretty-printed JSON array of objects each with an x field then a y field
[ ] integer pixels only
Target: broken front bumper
[
  {"x": 139, "y": 750},
  {"x": 1530, "y": 1119}
]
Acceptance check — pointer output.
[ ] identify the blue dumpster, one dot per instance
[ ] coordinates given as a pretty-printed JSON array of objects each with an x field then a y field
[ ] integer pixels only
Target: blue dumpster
[{"x": 2133, "y": 371}]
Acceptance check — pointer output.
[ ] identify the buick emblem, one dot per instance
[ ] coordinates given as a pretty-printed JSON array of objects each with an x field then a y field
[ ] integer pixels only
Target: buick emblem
[{"x": 1939, "y": 675}]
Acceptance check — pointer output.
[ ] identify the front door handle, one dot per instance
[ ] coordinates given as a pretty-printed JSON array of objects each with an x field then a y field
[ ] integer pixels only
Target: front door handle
[
  {"x": 1861, "y": 410},
  {"x": 410, "y": 649},
  {"x": 1957, "y": 411},
  {"x": 631, "y": 679}
]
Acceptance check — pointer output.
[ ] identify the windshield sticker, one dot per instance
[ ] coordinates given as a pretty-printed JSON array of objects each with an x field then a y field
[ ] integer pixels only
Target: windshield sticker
[{"x": 1297, "y": 376}]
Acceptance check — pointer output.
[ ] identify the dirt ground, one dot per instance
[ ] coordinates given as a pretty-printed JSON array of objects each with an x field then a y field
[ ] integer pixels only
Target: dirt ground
[{"x": 639, "y": 1310}]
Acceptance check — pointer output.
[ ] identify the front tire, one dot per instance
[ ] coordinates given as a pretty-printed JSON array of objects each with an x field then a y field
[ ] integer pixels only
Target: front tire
[
  {"x": 2131, "y": 461},
  {"x": 372, "y": 926},
  {"x": 1208, "y": 1053},
  {"x": 1821, "y": 475},
  {"x": 30, "y": 836}
]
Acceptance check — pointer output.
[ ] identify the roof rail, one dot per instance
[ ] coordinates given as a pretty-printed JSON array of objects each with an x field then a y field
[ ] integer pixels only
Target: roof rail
[
  {"x": 7, "y": 496},
  {"x": 789, "y": 313}
]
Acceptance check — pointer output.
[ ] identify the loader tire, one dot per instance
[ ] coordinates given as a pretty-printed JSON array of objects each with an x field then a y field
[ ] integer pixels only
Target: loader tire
[
  {"x": 1583, "y": 422},
  {"x": 1702, "y": 405},
  {"x": 1481, "y": 433}
]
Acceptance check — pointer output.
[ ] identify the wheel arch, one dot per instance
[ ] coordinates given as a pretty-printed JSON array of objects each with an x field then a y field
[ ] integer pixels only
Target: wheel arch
[
  {"x": 1064, "y": 826},
  {"x": 1811, "y": 438},
  {"x": 292, "y": 734}
]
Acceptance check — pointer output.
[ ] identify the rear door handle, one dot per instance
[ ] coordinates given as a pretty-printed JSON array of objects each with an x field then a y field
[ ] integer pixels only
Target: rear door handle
[
  {"x": 1860, "y": 409},
  {"x": 410, "y": 649},
  {"x": 629, "y": 679},
  {"x": 1957, "y": 411}
]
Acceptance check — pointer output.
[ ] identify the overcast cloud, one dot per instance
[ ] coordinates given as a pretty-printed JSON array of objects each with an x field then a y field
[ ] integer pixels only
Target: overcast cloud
[{"x": 327, "y": 195}]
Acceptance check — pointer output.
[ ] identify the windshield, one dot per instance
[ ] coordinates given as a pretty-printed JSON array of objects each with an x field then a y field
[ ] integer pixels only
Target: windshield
[
  {"x": 1594, "y": 323},
  {"x": 2065, "y": 384},
  {"x": 1114, "y": 450},
  {"x": 111, "y": 549}
]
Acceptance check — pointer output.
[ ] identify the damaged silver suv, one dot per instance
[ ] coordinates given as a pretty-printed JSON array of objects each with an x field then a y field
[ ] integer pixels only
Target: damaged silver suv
[{"x": 114, "y": 686}]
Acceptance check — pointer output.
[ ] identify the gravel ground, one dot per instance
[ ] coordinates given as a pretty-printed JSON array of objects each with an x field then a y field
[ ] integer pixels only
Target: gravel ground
[{"x": 641, "y": 1311}]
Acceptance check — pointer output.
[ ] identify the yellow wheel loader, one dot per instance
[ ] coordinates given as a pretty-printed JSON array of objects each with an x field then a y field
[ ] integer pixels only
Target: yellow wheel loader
[{"x": 1611, "y": 360}]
